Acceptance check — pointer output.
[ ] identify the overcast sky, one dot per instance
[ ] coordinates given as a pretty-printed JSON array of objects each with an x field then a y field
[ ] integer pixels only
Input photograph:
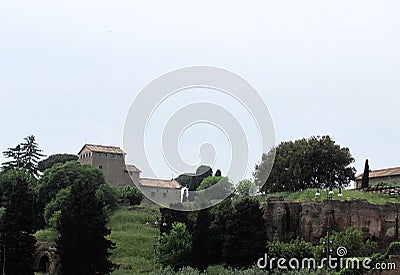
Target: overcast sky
[{"x": 69, "y": 70}]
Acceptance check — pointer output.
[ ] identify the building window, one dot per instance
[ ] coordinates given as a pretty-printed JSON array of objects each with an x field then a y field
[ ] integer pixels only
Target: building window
[
  {"x": 164, "y": 195},
  {"x": 100, "y": 167},
  {"x": 152, "y": 194}
]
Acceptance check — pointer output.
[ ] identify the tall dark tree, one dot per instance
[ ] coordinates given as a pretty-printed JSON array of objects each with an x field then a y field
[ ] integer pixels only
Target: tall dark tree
[
  {"x": 17, "y": 243},
  {"x": 55, "y": 159},
  {"x": 220, "y": 214},
  {"x": 244, "y": 240},
  {"x": 82, "y": 243},
  {"x": 316, "y": 162},
  {"x": 200, "y": 240},
  {"x": 365, "y": 176},
  {"x": 25, "y": 155}
]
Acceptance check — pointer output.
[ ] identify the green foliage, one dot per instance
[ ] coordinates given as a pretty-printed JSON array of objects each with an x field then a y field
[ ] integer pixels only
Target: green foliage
[
  {"x": 246, "y": 188},
  {"x": 244, "y": 239},
  {"x": 25, "y": 155},
  {"x": 82, "y": 243},
  {"x": 365, "y": 176},
  {"x": 309, "y": 194},
  {"x": 134, "y": 238},
  {"x": 108, "y": 195},
  {"x": 46, "y": 235},
  {"x": 132, "y": 194},
  {"x": 352, "y": 240},
  {"x": 218, "y": 188},
  {"x": 62, "y": 176},
  {"x": 55, "y": 205},
  {"x": 220, "y": 214},
  {"x": 17, "y": 243},
  {"x": 55, "y": 159},
  {"x": 175, "y": 248},
  {"x": 200, "y": 239},
  {"x": 296, "y": 248},
  {"x": 315, "y": 162}
]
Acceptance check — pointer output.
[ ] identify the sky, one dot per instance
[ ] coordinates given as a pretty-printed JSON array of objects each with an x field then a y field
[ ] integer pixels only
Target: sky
[{"x": 70, "y": 70}]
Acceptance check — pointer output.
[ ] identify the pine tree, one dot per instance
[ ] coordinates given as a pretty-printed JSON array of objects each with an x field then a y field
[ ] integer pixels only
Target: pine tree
[
  {"x": 25, "y": 155},
  {"x": 17, "y": 243},
  {"x": 244, "y": 240},
  {"x": 82, "y": 244},
  {"x": 200, "y": 241}
]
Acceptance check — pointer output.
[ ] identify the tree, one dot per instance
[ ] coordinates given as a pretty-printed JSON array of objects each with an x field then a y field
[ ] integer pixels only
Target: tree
[
  {"x": 316, "y": 162},
  {"x": 244, "y": 240},
  {"x": 55, "y": 159},
  {"x": 17, "y": 243},
  {"x": 220, "y": 191},
  {"x": 82, "y": 243},
  {"x": 200, "y": 239},
  {"x": 175, "y": 248},
  {"x": 365, "y": 176},
  {"x": 132, "y": 194},
  {"x": 246, "y": 188},
  {"x": 219, "y": 214},
  {"x": 25, "y": 155},
  {"x": 62, "y": 176},
  {"x": 218, "y": 173}
]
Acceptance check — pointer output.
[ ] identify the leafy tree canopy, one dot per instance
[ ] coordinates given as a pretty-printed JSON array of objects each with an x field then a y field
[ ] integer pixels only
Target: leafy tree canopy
[
  {"x": 316, "y": 162},
  {"x": 175, "y": 248},
  {"x": 62, "y": 176},
  {"x": 54, "y": 159}
]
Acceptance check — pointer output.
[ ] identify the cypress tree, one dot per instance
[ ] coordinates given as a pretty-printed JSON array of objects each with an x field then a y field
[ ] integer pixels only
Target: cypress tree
[
  {"x": 244, "y": 240},
  {"x": 365, "y": 176},
  {"x": 17, "y": 243},
  {"x": 82, "y": 243},
  {"x": 200, "y": 239}
]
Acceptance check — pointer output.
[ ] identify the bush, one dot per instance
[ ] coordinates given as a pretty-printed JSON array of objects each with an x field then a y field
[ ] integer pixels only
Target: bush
[
  {"x": 175, "y": 248},
  {"x": 132, "y": 194}
]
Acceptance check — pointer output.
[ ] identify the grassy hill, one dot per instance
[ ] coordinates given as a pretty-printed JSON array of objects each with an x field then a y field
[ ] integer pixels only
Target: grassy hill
[
  {"x": 309, "y": 195},
  {"x": 134, "y": 239}
]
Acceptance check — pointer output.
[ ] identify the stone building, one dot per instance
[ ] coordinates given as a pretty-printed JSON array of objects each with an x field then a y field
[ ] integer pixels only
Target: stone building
[
  {"x": 111, "y": 160},
  {"x": 164, "y": 191},
  {"x": 388, "y": 175}
]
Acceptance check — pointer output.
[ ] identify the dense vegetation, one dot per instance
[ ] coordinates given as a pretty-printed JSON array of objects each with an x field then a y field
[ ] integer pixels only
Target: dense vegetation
[{"x": 316, "y": 162}]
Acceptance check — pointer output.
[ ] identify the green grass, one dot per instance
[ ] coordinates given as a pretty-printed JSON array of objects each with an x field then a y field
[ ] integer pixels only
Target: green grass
[
  {"x": 134, "y": 239},
  {"x": 308, "y": 195}
]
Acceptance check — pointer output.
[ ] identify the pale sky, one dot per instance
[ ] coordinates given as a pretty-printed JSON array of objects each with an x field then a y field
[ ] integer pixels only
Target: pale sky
[{"x": 69, "y": 70}]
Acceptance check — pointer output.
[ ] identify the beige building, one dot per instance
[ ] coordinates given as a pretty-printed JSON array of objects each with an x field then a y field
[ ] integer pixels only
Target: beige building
[
  {"x": 389, "y": 175},
  {"x": 162, "y": 191},
  {"x": 111, "y": 160}
]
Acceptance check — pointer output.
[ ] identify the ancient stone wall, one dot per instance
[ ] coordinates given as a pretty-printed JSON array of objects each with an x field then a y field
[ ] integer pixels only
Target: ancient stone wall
[{"x": 311, "y": 220}]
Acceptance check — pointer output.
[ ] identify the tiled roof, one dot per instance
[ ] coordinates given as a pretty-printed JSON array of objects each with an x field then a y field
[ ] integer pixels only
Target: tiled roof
[
  {"x": 132, "y": 168},
  {"x": 160, "y": 183},
  {"x": 102, "y": 149},
  {"x": 382, "y": 173}
]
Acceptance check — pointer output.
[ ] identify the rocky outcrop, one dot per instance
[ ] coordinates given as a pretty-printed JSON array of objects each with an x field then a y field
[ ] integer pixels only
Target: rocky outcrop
[{"x": 311, "y": 220}]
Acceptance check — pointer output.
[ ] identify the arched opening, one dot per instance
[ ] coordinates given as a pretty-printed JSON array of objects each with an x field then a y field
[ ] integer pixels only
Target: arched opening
[{"x": 44, "y": 264}]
